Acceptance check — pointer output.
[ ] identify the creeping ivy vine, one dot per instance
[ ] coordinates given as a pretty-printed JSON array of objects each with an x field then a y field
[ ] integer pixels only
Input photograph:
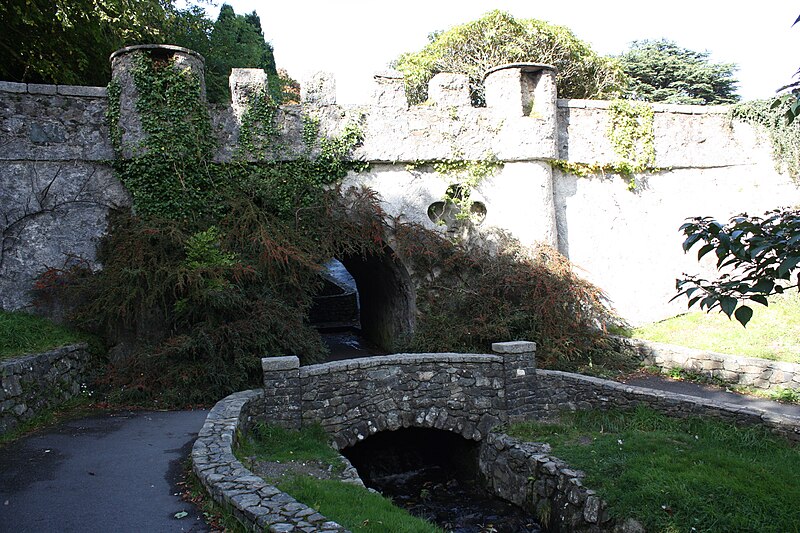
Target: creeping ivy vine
[
  {"x": 631, "y": 134},
  {"x": 464, "y": 176},
  {"x": 785, "y": 138}
]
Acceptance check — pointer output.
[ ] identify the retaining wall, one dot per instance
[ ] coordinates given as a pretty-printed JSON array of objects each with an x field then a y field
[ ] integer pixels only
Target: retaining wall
[
  {"x": 527, "y": 475},
  {"x": 59, "y": 186},
  {"x": 32, "y": 383},
  {"x": 747, "y": 371},
  {"x": 257, "y": 505},
  {"x": 557, "y": 391}
]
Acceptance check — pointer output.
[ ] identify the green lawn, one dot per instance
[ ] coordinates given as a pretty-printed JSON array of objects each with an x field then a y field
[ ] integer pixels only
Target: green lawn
[
  {"x": 680, "y": 475},
  {"x": 21, "y": 333},
  {"x": 773, "y": 333},
  {"x": 352, "y": 506}
]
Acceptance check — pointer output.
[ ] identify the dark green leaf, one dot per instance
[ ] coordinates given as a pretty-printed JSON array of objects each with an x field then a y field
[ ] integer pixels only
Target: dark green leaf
[{"x": 743, "y": 315}]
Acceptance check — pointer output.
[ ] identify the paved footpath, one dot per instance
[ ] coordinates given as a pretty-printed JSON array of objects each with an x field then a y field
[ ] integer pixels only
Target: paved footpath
[
  {"x": 118, "y": 472},
  {"x": 710, "y": 392},
  {"x": 108, "y": 473}
]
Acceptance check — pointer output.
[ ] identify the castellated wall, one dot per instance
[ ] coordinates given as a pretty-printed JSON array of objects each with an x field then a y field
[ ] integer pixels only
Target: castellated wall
[{"x": 56, "y": 182}]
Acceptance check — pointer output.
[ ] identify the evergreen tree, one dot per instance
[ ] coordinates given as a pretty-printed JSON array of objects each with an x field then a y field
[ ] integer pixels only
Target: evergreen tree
[{"x": 661, "y": 71}]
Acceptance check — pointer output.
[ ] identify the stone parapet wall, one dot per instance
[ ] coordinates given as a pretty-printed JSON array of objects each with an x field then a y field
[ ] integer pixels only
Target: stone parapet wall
[
  {"x": 357, "y": 398},
  {"x": 256, "y": 504},
  {"x": 558, "y": 391},
  {"x": 527, "y": 475},
  {"x": 747, "y": 371},
  {"x": 32, "y": 383}
]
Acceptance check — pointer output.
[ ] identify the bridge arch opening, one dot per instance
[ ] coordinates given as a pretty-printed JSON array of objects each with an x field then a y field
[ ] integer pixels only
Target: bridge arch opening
[
  {"x": 435, "y": 475},
  {"x": 383, "y": 305}
]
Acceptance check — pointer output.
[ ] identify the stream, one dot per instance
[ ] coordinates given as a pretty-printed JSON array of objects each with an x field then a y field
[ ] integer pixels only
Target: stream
[{"x": 434, "y": 475}]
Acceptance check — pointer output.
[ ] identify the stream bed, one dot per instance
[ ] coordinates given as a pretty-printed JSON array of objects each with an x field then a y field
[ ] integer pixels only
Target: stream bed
[{"x": 434, "y": 475}]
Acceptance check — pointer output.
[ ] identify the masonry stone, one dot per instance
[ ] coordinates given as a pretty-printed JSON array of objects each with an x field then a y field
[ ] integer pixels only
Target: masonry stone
[
  {"x": 597, "y": 222},
  {"x": 447, "y": 89}
]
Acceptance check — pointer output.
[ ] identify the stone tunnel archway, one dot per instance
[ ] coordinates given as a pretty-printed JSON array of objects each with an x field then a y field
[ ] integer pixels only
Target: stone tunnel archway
[{"x": 387, "y": 297}]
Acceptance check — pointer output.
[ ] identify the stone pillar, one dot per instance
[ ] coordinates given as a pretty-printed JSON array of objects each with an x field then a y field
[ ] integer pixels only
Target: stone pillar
[
  {"x": 522, "y": 90},
  {"x": 282, "y": 392},
  {"x": 389, "y": 90},
  {"x": 130, "y": 124},
  {"x": 319, "y": 89},
  {"x": 519, "y": 368},
  {"x": 447, "y": 89},
  {"x": 246, "y": 85}
]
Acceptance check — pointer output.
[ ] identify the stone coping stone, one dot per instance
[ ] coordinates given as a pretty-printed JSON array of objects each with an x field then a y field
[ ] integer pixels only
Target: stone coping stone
[
  {"x": 274, "y": 364},
  {"x": 255, "y": 503},
  {"x": 397, "y": 359},
  {"x": 48, "y": 89},
  {"x": 514, "y": 347},
  {"x": 577, "y": 103}
]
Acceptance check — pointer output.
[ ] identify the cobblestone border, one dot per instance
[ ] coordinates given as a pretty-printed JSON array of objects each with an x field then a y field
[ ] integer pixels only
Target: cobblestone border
[
  {"x": 32, "y": 383},
  {"x": 256, "y": 504}
]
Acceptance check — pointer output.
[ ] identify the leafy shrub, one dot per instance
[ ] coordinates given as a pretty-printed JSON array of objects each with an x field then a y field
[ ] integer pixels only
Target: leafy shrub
[{"x": 472, "y": 295}]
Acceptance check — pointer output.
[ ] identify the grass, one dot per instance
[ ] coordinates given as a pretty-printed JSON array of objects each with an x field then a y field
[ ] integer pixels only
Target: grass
[
  {"x": 78, "y": 407},
  {"x": 680, "y": 475},
  {"x": 773, "y": 333},
  {"x": 352, "y": 506},
  {"x": 21, "y": 333}
]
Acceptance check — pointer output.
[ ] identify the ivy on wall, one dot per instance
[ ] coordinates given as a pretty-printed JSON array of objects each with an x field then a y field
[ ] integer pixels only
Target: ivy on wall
[
  {"x": 785, "y": 138},
  {"x": 464, "y": 177},
  {"x": 631, "y": 134}
]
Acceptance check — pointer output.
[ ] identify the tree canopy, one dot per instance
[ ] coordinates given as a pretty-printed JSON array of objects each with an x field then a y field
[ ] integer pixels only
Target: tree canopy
[
  {"x": 662, "y": 71},
  {"x": 69, "y": 41},
  {"x": 498, "y": 38}
]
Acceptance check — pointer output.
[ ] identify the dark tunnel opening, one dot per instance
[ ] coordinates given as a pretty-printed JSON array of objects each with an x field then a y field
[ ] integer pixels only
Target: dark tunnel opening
[{"x": 381, "y": 308}]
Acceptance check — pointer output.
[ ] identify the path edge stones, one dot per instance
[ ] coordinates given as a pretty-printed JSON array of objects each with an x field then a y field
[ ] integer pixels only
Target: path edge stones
[{"x": 256, "y": 504}]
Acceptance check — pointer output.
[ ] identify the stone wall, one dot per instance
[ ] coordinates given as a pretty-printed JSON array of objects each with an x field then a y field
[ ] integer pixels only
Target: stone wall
[
  {"x": 746, "y": 371},
  {"x": 257, "y": 505},
  {"x": 464, "y": 393},
  {"x": 60, "y": 188},
  {"x": 57, "y": 182},
  {"x": 32, "y": 383},
  {"x": 557, "y": 391},
  {"x": 527, "y": 475}
]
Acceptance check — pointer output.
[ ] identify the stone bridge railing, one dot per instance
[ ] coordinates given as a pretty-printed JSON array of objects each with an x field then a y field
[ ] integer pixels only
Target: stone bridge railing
[{"x": 464, "y": 393}]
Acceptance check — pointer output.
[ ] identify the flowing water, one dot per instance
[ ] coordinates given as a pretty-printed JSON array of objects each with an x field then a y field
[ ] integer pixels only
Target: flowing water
[{"x": 434, "y": 475}]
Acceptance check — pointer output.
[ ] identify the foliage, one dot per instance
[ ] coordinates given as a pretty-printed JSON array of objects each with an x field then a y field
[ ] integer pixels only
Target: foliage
[
  {"x": 69, "y": 41},
  {"x": 235, "y": 41},
  {"x": 773, "y": 333},
  {"x": 679, "y": 474},
  {"x": 789, "y": 101},
  {"x": 21, "y": 333},
  {"x": 218, "y": 263},
  {"x": 630, "y": 130},
  {"x": 784, "y": 135},
  {"x": 761, "y": 255},
  {"x": 498, "y": 38},
  {"x": 662, "y": 71},
  {"x": 473, "y": 295}
]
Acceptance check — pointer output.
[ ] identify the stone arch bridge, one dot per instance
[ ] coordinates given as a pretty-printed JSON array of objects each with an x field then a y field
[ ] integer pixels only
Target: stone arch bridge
[{"x": 467, "y": 394}]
